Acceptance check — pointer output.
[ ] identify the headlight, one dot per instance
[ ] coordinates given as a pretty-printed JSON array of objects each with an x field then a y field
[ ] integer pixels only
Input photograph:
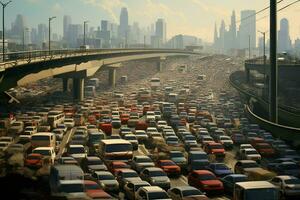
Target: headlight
[
  {"x": 153, "y": 181},
  {"x": 205, "y": 186},
  {"x": 102, "y": 185}
]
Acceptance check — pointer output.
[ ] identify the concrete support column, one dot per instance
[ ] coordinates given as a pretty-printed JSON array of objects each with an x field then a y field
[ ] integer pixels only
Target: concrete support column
[
  {"x": 65, "y": 84},
  {"x": 159, "y": 65},
  {"x": 247, "y": 75},
  {"x": 112, "y": 77},
  {"x": 78, "y": 89}
]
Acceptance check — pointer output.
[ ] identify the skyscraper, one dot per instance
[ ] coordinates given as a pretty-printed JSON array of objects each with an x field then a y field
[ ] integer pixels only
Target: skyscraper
[
  {"x": 42, "y": 33},
  {"x": 284, "y": 41},
  {"x": 232, "y": 32},
  {"x": 67, "y": 22},
  {"x": 222, "y": 36},
  {"x": 247, "y": 28},
  {"x": 124, "y": 28},
  {"x": 160, "y": 30},
  {"x": 216, "y": 37}
]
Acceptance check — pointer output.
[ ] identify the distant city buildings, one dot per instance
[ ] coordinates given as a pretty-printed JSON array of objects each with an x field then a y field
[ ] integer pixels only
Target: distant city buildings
[{"x": 284, "y": 41}]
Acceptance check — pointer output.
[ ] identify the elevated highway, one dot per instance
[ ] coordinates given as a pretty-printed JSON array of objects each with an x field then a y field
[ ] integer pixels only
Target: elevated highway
[{"x": 25, "y": 67}]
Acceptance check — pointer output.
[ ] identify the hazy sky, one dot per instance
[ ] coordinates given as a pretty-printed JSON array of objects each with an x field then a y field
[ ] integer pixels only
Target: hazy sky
[{"x": 194, "y": 17}]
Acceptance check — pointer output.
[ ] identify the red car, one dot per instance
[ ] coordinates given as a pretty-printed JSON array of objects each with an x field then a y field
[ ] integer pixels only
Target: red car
[
  {"x": 106, "y": 128},
  {"x": 93, "y": 190},
  {"x": 34, "y": 160},
  {"x": 205, "y": 181},
  {"x": 115, "y": 166},
  {"x": 216, "y": 149},
  {"x": 265, "y": 149},
  {"x": 141, "y": 125},
  {"x": 169, "y": 167},
  {"x": 124, "y": 118}
]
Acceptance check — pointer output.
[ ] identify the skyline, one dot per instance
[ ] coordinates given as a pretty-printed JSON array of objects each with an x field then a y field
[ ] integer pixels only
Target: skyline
[{"x": 179, "y": 15}]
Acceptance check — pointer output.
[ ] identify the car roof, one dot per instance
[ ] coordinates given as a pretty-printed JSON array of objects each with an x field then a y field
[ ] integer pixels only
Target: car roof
[
  {"x": 285, "y": 177},
  {"x": 152, "y": 188},
  {"x": 256, "y": 184},
  {"x": 185, "y": 187},
  {"x": 202, "y": 172}
]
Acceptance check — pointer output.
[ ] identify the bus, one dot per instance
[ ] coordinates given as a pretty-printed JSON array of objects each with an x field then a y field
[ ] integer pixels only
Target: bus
[
  {"x": 43, "y": 139},
  {"x": 155, "y": 83},
  {"x": 55, "y": 117},
  {"x": 116, "y": 149},
  {"x": 258, "y": 190}
]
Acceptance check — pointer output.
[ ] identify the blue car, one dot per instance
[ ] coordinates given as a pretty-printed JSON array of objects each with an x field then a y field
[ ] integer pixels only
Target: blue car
[
  {"x": 219, "y": 169},
  {"x": 229, "y": 181}
]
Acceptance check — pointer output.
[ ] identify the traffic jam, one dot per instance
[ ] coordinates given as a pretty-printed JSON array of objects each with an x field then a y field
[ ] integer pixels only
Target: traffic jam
[{"x": 170, "y": 136}]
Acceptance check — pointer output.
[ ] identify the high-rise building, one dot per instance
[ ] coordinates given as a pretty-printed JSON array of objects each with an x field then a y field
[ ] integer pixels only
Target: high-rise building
[
  {"x": 67, "y": 22},
  {"x": 34, "y": 36},
  {"x": 247, "y": 29},
  {"x": 104, "y": 25},
  {"x": 284, "y": 41},
  {"x": 124, "y": 28},
  {"x": 160, "y": 30},
  {"x": 18, "y": 27},
  {"x": 75, "y": 32},
  {"x": 216, "y": 38},
  {"x": 222, "y": 37},
  {"x": 232, "y": 32},
  {"x": 105, "y": 34},
  {"x": 42, "y": 34}
]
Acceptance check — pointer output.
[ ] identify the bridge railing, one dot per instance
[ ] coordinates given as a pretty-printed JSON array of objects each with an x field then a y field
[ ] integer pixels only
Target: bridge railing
[{"x": 65, "y": 52}]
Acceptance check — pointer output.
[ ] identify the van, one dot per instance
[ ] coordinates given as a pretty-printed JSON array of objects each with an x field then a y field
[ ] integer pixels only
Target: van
[
  {"x": 43, "y": 139},
  {"x": 79, "y": 119},
  {"x": 55, "y": 118},
  {"x": 115, "y": 149},
  {"x": 59, "y": 173},
  {"x": 258, "y": 190}
]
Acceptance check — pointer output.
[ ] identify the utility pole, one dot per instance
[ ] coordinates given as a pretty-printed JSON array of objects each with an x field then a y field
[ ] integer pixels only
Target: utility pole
[
  {"x": 144, "y": 41},
  {"x": 249, "y": 46},
  {"x": 50, "y": 19},
  {"x": 273, "y": 103},
  {"x": 84, "y": 25},
  {"x": 3, "y": 28}
]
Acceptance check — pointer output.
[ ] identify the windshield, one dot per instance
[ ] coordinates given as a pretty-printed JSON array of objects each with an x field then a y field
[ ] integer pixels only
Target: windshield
[
  {"x": 157, "y": 173},
  {"x": 36, "y": 138},
  {"x": 293, "y": 181},
  {"x": 130, "y": 175},
  {"x": 198, "y": 156},
  {"x": 176, "y": 155},
  {"x": 250, "y": 165},
  {"x": 95, "y": 162},
  {"x": 267, "y": 193},
  {"x": 221, "y": 167},
  {"x": 42, "y": 152},
  {"x": 75, "y": 150},
  {"x": 167, "y": 164},
  {"x": 70, "y": 188},
  {"x": 204, "y": 177},
  {"x": 92, "y": 187},
  {"x": 191, "y": 192},
  {"x": 118, "y": 148},
  {"x": 106, "y": 177},
  {"x": 158, "y": 195}
]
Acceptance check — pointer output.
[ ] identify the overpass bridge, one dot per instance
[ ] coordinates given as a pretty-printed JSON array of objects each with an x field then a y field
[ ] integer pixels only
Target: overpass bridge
[{"x": 26, "y": 67}]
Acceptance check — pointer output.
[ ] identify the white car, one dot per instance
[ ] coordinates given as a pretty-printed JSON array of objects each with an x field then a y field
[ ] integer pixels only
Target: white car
[
  {"x": 46, "y": 152},
  {"x": 30, "y": 129},
  {"x": 69, "y": 122},
  {"x": 147, "y": 193},
  {"x": 289, "y": 186},
  {"x": 150, "y": 116},
  {"x": 250, "y": 154}
]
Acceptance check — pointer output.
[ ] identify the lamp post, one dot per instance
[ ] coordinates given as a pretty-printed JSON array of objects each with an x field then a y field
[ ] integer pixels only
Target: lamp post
[
  {"x": 84, "y": 24},
  {"x": 50, "y": 19},
  {"x": 249, "y": 46},
  {"x": 24, "y": 32},
  {"x": 265, "y": 58},
  {"x": 3, "y": 28}
]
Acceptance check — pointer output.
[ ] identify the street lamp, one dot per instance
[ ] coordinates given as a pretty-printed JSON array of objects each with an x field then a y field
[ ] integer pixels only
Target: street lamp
[
  {"x": 50, "y": 19},
  {"x": 84, "y": 24},
  {"x": 24, "y": 32},
  {"x": 264, "y": 48},
  {"x": 3, "y": 27}
]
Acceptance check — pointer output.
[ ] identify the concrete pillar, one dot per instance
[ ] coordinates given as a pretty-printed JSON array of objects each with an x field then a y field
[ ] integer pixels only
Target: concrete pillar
[
  {"x": 65, "y": 84},
  {"x": 247, "y": 75},
  {"x": 159, "y": 65},
  {"x": 78, "y": 89},
  {"x": 112, "y": 77}
]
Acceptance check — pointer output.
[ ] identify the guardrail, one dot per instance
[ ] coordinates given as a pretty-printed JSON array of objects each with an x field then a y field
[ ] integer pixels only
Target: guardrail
[
  {"x": 260, "y": 61},
  {"x": 288, "y": 133}
]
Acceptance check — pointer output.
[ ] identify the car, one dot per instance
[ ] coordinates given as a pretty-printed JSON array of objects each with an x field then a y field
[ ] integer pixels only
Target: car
[
  {"x": 226, "y": 141},
  {"x": 289, "y": 186},
  {"x": 69, "y": 122},
  {"x": 67, "y": 160},
  {"x": 47, "y": 152},
  {"x": 91, "y": 188},
  {"x": 77, "y": 151},
  {"x": 243, "y": 165},
  {"x": 205, "y": 181},
  {"x": 229, "y": 181},
  {"x": 156, "y": 177},
  {"x": 141, "y": 136},
  {"x": 178, "y": 158},
  {"x": 186, "y": 192},
  {"x": 91, "y": 164},
  {"x": 215, "y": 149},
  {"x": 140, "y": 162},
  {"x": 4, "y": 146},
  {"x": 114, "y": 166},
  {"x": 34, "y": 160},
  {"x": 133, "y": 140},
  {"x": 126, "y": 175},
  {"x": 219, "y": 169},
  {"x": 131, "y": 188},
  {"x": 169, "y": 167},
  {"x": 287, "y": 168},
  {"x": 197, "y": 160},
  {"x": 250, "y": 154},
  {"x": 151, "y": 193},
  {"x": 106, "y": 180}
]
